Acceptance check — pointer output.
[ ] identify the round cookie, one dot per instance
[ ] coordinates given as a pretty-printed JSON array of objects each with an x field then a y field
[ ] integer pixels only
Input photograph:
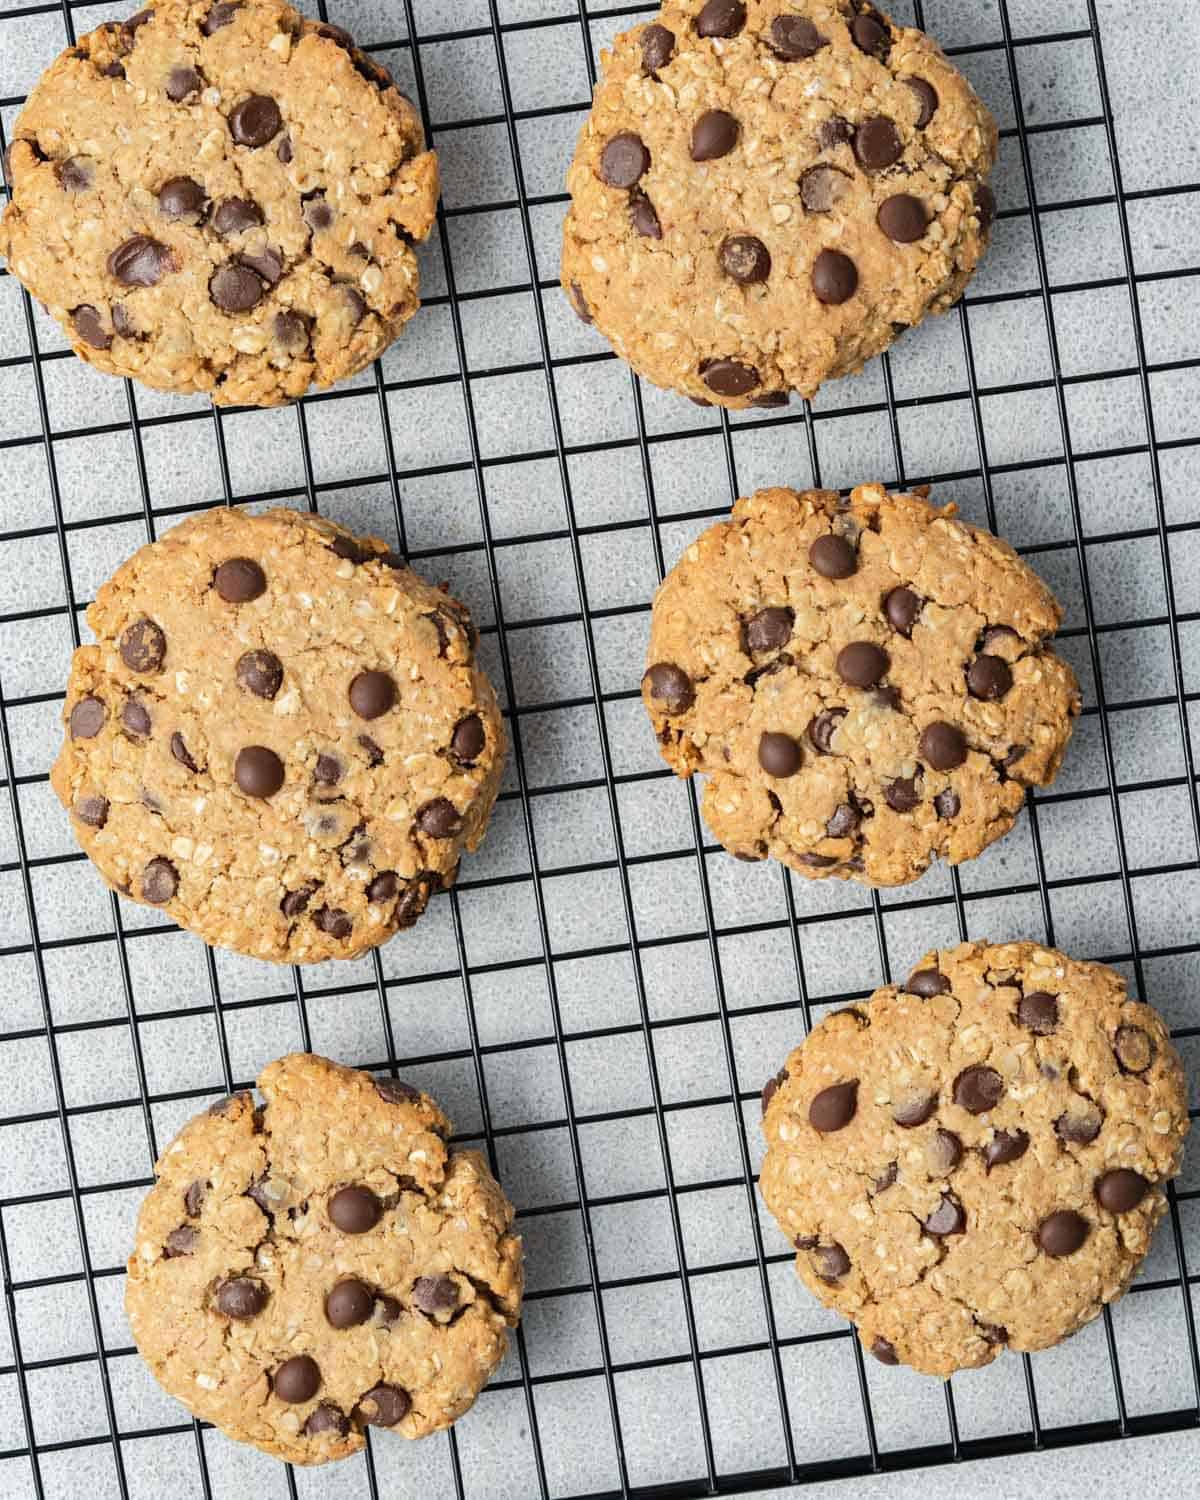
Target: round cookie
[
  {"x": 977, "y": 1158},
  {"x": 221, "y": 197},
  {"x": 281, "y": 736},
  {"x": 767, "y": 193},
  {"x": 323, "y": 1263},
  {"x": 866, "y": 683}
]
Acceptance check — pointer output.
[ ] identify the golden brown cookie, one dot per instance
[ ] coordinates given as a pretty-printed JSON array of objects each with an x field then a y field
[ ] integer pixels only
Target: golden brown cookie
[
  {"x": 281, "y": 736},
  {"x": 866, "y": 683},
  {"x": 767, "y": 192},
  {"x": 221, "y": 197},
  {"x": 977, "y": 1158},
  {"x": 323, "y": 1263}
]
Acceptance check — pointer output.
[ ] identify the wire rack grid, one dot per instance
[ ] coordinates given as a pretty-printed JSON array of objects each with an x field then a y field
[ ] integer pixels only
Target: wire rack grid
[{"x": 599, "y": 999}]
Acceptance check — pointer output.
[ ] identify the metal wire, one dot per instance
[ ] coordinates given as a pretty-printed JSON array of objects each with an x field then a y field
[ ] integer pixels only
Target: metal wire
[{"x": 704, "y": 1474}]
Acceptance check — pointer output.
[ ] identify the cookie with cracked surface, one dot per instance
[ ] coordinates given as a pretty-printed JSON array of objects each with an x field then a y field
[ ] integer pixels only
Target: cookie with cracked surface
[
  {"x": 865, "y": 684},
  {"x": 976, "y": 1158},
  {"x": 767, "y": 192},
  {"x": 281, "y": 736},
  {"x": 221, "y": 197},
  {"x": 323, "y": 1263}
]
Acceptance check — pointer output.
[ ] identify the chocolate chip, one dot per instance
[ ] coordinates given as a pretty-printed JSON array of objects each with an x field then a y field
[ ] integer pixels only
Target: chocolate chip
[
  {"x": 643, "y": 216},
  {"x": 284, "y": 151},
  {"x": 1039, "y": 1012},
  {"x": 985, "y": 206},
  {"x": 772, "y": 1087},
  {"x": 989, "y": 678},
  {"x": 624, "y": 160},
  {"x": 1062, "y": 1233},
  {"x": 326, "y": 1418},
  {"x": 333, "y": 922},
  {"x": 193, "y": 1198},
  {"x": 1135, "y": 1049},
  {"x": 978, "y": 1089},
  {"x": 817, "y": 861},
  {"x": 746, "y": 259},
  {"x": 255, "y": 121},
  {"x": 844, "y": 822},
  {"x": 927, "y": 100},
  {"x": 241, "y": 1297},
  {"x": 237, "y": 214},
  {"x": 160, "y": 881},
  {"x": 902, "y": 606},
  {"x": 220, "y": 15},
  {"x": 943, "y": 746},
  {"x": 373, "y": 753},
  {"x": 658, "y": 47},
  {"x": 822, "y": 187},
  {"x": 772, "y": 399},
  {"x": 122, "y": 323},
  {"x": 947, "y": 1218},
  {"x": 468, "y": 740},
  {"x": 131, "y": 25},
  {"x": 297, "y": 1379},
  {"x": 903, "y": 218},
  {"x": 578, "y": 303},
  {"x": 714, "y": 135},
  {"x": 354, "y": 1209},
  {"x": 181, "y": 1241},
  {"x": 292, "y": 331},
  {"x": 670, "y": 686},
  {"x": 439, "y": 819},
  {"x": 383, "y": 887},
  {"x": 328, "y": 770},
  {"x": 887, "y": 1178},
  {"x": 434, "y": 1294},
  {"x": 947, "y": 804},
  {"x": 926, "y": 983},
  {"x": 832, "y": 1262},
  {"x": 862, "y": 664},
  {"x": 833, "y": 1108},
  {"x": 833, "y": 557},
  {"x": 1081, "y": 1127},
  {"x": 902, "y": 795},
  {"x": 728, "y": 377},
  {"x": 914, "y": 1111},
  {"x": 822, "y": 729},
  {"x": 1121, "y": 1191},
  {"x": 140, "y": 261},
  {"x": 992, "y": 1333},
  {"x": 258, "y": 771},
  {"x": 768, "y": 629},
  {"x": 871, "y": 36},
  {"x": 778, "y": 754},
  {"x": 76, "y": 174},
  {"x": 87, "y": 719},
  {"x": 235, "y": 289},
  {"x": 794, "y": 38},
  {"x": 112, "y": 70},
  {"x": 86, "y": 321},
  {"x": 721, "y": 18},
  {"x": 179, "y": 751},
  {"x": 182, "y": 198},
  {"x": 182, "y": 83},
  {"x": 349, "y": 1303},
  {"x": 1005, "y": 1146},
  {"x": 239, "y": 579},
  {"x": 884, "y": 1352},
  {"x": 294, "y": 902},
  {"x": 92, "y": 811},
  {"x": 834, "y": 278},
  {"x": 877, "y": 144},
  {"x": 372, "y": 694},
  {"x": 260, "y": 673},
  {"x": 382, "y": 1406},
  {"x": 835, "y": 131},
  {"x": 943, "y": 1153},
  {"x": 396, "y": 1091}
]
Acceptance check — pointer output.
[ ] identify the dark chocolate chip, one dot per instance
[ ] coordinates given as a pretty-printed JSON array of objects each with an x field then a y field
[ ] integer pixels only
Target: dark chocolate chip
[
  {"x": 468, "y": 740},
  {"x": 643, "y": 216},
  {"x": 160, "y": 881},
  {"x": 182, "y": 198},
  {"x": 884, "y": 1351},
  {"x": 772, "y": 1087},
  {"x": 326, "y": 1418},
  {"x": 239, "y": 579},
  {"x": 122, "y": 323},
  {"x": 768, "y": 629},
  {"x": 1005, "y": 1146},
  {"x": 578, "y": 303},
  {"x": 354, "y": 1209},
  {"x": 255, "y": 121},
  {"x": 728, "y": 377},
  {"x": 877, "y": 144},
  {"x": 833, "y": 557},
  {"x": 947, "y": 804},
  {"x": 832, "y": 1262},
  {"x": 978, "y": 1089},
  {"x": 992, "y": 1333},
  {"x": 131, "y": 25},
  {"x": 927, "y": 100},
  {"x": 1080, "y": 1128},
  {"x": 193, "y": 1198},
  {"x": 903, "y": 218},
  {"x": 943, "y": 1152},
  {"x": 714, "y": 135},
  {"x": 76, "y": 174},
  {"x": 333, "y": 922},
  {"x": 93, "y": 811},
  {"x": 902, "y": 606},
  {"x": 89, "y": 325},
  {"x": 87, "y": 719},
  {"x": 902, "y": 795},
  {"x": 795, "y": 38},
  {"x": 745, "y": 258},
  {"x": 182, "y": 83},
  {"x": 624, "y": 160},
  {"x": 658, "y": 47},
  {"x": 112, "y": 70},
  {"x": 294, "y": 902},
  {"x": 1039, "y": 1012},
  {"x": 236, "y": 214},
  {"x": 817, "y": 861},
  {"x": 372, "y": 751},
  {"x": 439, "y": 819},
  {"x": 434, "y": 1294},
  {"x": 235, "y": 289},
  {"x": 834, "y": 278},
  {"x": 179, "y": 751},
  {"x": 328, "y": 770},
  {"x": 844, "y": 822},
  {"x": 292, "y": 331},
  {"x": 384, "y": 886},
  {"x": 887, "y": 1178},
  {"x": 1121, "y": 1191},
  {"x": 268, "y": 263},
  {"x": 258, "y": 771},
  {"x": 349, "y": 1303},
  {"x": 382, "y": 1406},
  {"x": 871, "y": 36},
  {"x": 284, "y": 151},
  {"x": 771, "y": 399},
  {"x": 985, "y": 206},
  {"x": 836, "y": 131},
  {"x": 943, "y": 746},
  {"x": 778, "y": 754},
  {"x": 947, "y": 1218},
  {"x": 989, "y": 678},
  {"x": 396, "y": 1091},
  {"x": 297, "y": 1379},
  {"x": 181, "y": 1241},
  {"x": 670, "y": 686},
  {"x": 822, "y": 729},
  {"x": 721, "y": 18},
  {"x": 862, "y": 664},
  {"x": 833, "y": 1108},
  {"x": 821, "y": 187},
  {"x": 241, "y": 1297},
  {"x": 372, "y": 694},
  {"x": 1063, "y": 1233},
  {"x": 1135, "y": 1049},
  {"x": 140, "y": 261},
  {"x": 927, "y": 983},
  {"x": 220, "y": 15},
  {"x": 260, "y": 673},
  {"x": 914, "y": 1111}
]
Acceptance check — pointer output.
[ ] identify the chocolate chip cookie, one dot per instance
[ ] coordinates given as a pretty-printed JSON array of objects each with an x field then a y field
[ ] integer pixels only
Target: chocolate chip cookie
[
  {"x": 865, "y": 683},
  {"x": 281, "y": 736},
  {"x": 767, "y": 192},
  {"x": 978, "y": 1157},
  {"x": 323, "y": 1263},
  {"x": 221, "y": 197}
]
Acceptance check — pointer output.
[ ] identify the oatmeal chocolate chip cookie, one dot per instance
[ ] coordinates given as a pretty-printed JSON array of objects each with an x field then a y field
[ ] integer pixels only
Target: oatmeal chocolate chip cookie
[
  {"x": 221, "y": 197},
  {"x": 766, "y": 193},
  {"x": 976, "y": 1158},
  {"x": 281, "y": 736},
  {"x": 322, "y": 1264},
  {"x": 865, "y": 683}
]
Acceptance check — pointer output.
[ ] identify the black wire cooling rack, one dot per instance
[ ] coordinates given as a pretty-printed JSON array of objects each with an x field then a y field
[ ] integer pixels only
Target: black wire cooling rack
[{"x": 747, "y": 1385}]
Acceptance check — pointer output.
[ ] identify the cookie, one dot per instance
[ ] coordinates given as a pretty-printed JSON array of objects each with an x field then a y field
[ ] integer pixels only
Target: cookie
[
  {"x": 865, "y": 683},
  {"x": 281, "y": 737},
  {"x": 977, "y": 1158},
  {"x": 323, "y": 1263},
  {"x": 221, "y": 197},
  {"x": 767, "y": 193}
]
